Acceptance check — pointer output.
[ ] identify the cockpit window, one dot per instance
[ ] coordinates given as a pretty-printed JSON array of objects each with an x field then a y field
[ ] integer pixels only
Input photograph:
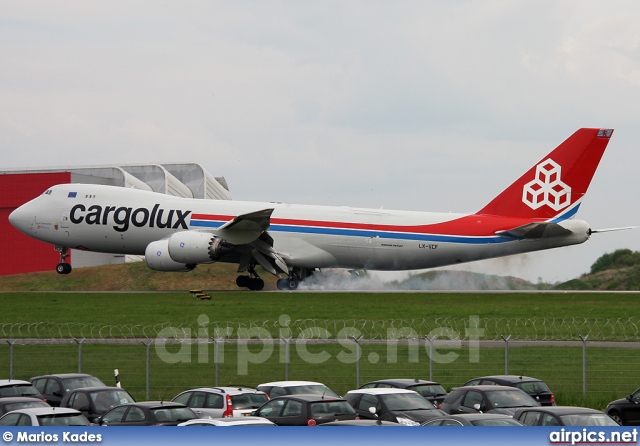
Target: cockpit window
[{"x": 48, "y": 192}]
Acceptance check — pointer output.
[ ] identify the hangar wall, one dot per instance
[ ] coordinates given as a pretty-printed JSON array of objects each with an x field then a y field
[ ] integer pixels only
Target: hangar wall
[{"x": 21, "y": 185}]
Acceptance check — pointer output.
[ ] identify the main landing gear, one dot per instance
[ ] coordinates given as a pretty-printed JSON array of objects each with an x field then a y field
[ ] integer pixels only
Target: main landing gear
[
  {"x": 252, "y": 281},
  {"x": 296, "y": 276},
  {"x": 289, "y": 283},
  {"x": 63, "y": 267}
]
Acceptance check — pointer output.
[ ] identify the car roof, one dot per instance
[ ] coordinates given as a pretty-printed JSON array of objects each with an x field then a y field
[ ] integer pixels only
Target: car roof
[
  {"x": 236, "y": 421},
  {"x": 95, "y": 389},
  {"x": 154, "y": 404},
  {"x": 488, "y": 388},
  {"x": 11, "y": 382},
  {"x": 403, "y": 381},
  {"x": 19, "y": 399},
  {"x": 309, "y": 397},
  {"x": 561, "y": 410},
  {"x": 382, "y": 391},
  {"x": 291, "y": 383},
  {"x": 508, "y": 378},
  {"x": 64, "y": 375},
  {"x": 229, "y": 390},
  {"x": 361, "y": 423},
  {"x": 47, "y": 410},
  {"x": 477, "y": 416}
]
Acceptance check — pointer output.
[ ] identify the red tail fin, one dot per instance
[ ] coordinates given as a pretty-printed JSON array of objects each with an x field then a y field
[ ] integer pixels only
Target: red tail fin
[{"x": 555, "y": 186}]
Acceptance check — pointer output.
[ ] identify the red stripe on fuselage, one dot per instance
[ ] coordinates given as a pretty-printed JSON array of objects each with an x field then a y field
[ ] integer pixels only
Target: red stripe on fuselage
[{"x": 470, "y": 225}]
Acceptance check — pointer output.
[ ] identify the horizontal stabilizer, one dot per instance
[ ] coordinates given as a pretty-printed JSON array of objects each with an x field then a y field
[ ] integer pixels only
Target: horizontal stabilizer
[
  {"x": 246, "y": 228},
  {"x": 595, "y": 231},
  {"x": 536, "y": 230}
]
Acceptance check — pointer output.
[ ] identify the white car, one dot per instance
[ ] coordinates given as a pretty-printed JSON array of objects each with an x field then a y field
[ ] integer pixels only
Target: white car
[
  {"x": 44, "y": 416},
  {"x": 243, "y": 421},
  {"x": 18, "y": 387},
  {"x": 222, "y": 402},
  {"x": 282, "y": 388}
]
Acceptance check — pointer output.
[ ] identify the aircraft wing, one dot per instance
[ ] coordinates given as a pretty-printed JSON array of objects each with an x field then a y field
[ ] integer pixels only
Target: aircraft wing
[
  {"x": 246, "y": 228},
  {"x": 536, "y": 230}
]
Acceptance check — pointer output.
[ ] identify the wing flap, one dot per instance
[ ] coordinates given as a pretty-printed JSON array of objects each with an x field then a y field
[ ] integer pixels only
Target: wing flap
[{"x": 246, "y": 228}]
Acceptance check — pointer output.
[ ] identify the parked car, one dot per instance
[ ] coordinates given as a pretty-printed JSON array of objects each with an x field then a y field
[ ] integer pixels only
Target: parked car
[
  {"x": 20, "y": 402},
  {"x": 147, "y": 413},
  {"x": 473, "y": 419},
  {"x": 429, "y": 390},
  {"x": 54, "y": 387},
  {"x": 44, "y": 416},
  {"x": 358, "y": 422},
  {"x": 222, "y": 402},
  {"x": 487, "y": 399},
  {"x": 305, "y": 410},
  {"x": 563, "y": 416},
  {"x": 238, "y": 421},
  {"x": 18, "y": 387},
  {"x": 534, "y": 387},
  {"x": 94, "y": 402},
  {"x": 626, "y": 411},
  {"x": 390, "y": 404},
  {"x": 281, "y": 388}
]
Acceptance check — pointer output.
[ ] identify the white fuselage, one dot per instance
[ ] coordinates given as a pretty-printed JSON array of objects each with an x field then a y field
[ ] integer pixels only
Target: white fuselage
[{"x": 117, "y": 220}]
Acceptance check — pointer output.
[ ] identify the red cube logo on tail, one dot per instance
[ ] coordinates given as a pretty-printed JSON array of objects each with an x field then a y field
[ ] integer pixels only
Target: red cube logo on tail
[{"x": 547, "y": 188}]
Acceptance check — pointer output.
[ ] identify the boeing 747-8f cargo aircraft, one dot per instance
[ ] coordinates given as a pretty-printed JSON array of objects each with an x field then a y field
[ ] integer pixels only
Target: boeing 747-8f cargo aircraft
[{"x": 291, "y": 241}]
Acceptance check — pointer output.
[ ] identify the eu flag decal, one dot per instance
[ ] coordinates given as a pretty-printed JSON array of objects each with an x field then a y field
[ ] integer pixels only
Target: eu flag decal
[{"x": 72, "y": 194}]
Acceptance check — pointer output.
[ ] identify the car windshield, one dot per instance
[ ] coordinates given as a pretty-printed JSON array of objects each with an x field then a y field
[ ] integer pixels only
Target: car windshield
[
  {"x": 248, "y": 401},
  {"x": 18, "y": 390},
  {"x": 169, "y": 414},
  {"x": 63, "y": 419},
  {"x": 406, "y": 401},
  {"x": 8, "y": 407},
  {"x": 104, "y": 400},
  {"x": 496, "y": 422},
  {"x": 533, "y": 387},
  {"x": 510, "y": 398},
  {"x": 314, "y": 389},
  {"x": 429, "y": 390},
  {"x": 81, "y": 382},
  {"x": 587, "y": 419},
  {"x": 331, "y": 408}
]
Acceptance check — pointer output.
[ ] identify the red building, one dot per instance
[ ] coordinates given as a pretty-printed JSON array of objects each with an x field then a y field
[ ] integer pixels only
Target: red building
[{"x": 26, "y": 254}]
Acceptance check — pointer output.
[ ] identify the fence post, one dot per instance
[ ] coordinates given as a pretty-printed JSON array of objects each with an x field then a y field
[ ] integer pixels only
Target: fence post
[
  {"x": 79, "y": 353},
  {"x": 358, "y": 354},
  {"x": 430, "y": 357},
  {"x": 216, "y": 359},
  {"x": 287, "y": 357},
  {"x": 11, "y": 357},
  {"x": 506, "y": 353},
  {"x": 584, "y": 363},
  {"x": 148, "y": 374}
]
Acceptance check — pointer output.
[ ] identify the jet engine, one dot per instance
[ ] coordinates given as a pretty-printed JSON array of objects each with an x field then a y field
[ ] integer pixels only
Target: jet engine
[
  {"x": 157, "y": 257},
  {"x": 192, "y": 247}
]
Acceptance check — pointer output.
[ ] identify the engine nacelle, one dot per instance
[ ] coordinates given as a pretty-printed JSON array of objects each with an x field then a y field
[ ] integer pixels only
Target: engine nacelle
[
  {"x": 158, "y": 258},
  {"x": 197, "y": 247}
]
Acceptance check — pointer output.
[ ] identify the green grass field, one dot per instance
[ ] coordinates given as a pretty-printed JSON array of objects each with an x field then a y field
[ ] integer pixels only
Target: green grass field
[{"x": 611, "y": 372}]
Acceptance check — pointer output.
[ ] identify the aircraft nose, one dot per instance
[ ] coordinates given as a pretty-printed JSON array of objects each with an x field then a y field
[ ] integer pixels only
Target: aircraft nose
[{"x": 21, "y": 219}]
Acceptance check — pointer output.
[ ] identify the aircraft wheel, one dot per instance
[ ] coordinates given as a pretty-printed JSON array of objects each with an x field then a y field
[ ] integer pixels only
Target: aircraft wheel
[
  {"x": 256, "y": 284},
  {"x": 283, "y": 284},
  {"x": 243, "y": 281},
  {"x": 292, "y": 284},
  {"x": 63, "y": 268}
]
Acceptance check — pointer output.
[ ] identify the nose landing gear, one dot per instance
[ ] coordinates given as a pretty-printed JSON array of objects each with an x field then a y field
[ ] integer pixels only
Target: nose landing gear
[{"x": 63, "y": 267}]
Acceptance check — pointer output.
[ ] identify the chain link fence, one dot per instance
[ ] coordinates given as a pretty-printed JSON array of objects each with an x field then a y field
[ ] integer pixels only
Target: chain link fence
[
  {"x": 584, "y": 361},
  {"x": 522, "y": 329}
]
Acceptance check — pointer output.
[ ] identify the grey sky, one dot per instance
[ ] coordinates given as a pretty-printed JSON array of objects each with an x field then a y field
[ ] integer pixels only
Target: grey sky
[{"x": 418, "y": 105}]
